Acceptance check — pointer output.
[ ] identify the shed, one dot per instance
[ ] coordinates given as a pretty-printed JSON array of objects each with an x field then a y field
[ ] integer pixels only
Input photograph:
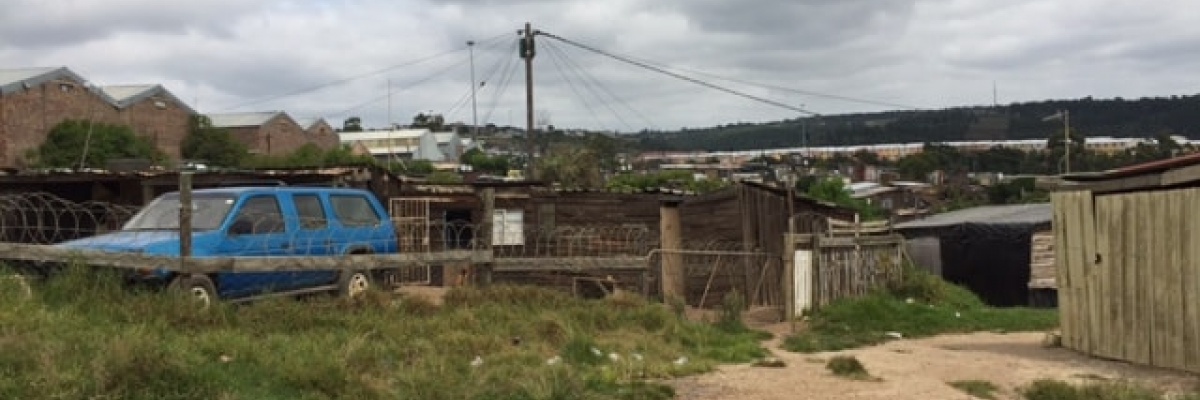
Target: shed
[
  {"x": 1129, "y": 285},
  {"x": 989, "y": 250}
]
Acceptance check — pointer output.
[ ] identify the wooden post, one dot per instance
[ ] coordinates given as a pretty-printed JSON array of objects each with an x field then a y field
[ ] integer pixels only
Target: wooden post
[
  {"x": 788, "y": 286},
  {"x": 671, "y": 231},
  {"x": 484, "y": 272},
  {"x": 185, "y": 218}
]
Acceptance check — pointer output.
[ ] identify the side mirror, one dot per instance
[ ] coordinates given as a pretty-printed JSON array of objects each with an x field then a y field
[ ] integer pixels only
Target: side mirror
[{"x": 241, "y": 226}]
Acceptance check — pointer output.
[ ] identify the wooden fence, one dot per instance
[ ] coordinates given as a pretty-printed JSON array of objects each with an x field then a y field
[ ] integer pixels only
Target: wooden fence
[
  {"x": 1128, "y": 279},
  {"x": 846, "y": 260}
]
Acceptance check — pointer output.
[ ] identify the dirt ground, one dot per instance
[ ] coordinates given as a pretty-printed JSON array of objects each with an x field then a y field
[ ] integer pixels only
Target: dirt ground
[
  {"x": 919, "y": 369},
  {"x": 906, "y": 369}
]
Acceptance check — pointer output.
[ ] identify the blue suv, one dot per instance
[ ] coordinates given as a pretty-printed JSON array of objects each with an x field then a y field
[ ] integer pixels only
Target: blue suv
[{"x": 257, "y": 222}]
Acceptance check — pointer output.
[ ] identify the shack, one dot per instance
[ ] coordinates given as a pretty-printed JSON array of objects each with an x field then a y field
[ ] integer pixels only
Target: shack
[
  {"x": 1127, "y": 245},
  {"x": 998, "y": 252}
]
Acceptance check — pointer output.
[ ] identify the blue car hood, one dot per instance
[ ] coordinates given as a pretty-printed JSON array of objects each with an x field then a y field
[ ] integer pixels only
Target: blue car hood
[{"x": 151, "y": 242}]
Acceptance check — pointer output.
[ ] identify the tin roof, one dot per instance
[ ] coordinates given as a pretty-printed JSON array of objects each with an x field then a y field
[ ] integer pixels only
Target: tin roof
[
  {"x": 242, "y": 119},
  {"x": 127, "y": 95},
  {"x": 1016, "y": 214}
]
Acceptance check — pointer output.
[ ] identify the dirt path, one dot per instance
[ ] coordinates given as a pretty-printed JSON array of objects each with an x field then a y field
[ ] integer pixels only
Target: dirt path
[
  {"x": 916, "y": 369},
  {"x": 919, "y": 369}
]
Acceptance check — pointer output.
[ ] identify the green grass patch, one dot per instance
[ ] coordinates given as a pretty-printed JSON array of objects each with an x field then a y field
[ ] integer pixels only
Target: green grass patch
[
  {"x": 84, "y": 335},
  {"x": 921, "y": 305},
  {"x": 977, "y": 388},
  {"x": 1048, "y": 389}
]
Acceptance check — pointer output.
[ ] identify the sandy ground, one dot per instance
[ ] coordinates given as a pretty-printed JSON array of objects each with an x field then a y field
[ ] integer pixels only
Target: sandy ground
[
  {"x": 906, "y": 369},
  {"x": 920, "y": 369}
]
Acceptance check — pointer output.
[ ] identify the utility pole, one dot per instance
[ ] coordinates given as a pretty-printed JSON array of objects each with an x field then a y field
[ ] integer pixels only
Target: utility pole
[
  {"x": 474, "y": 112},
  {"x": 527, "y": 53}
]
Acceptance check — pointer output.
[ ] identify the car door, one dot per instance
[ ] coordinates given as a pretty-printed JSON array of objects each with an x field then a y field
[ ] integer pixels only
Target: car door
[
  {"x": 258, "y": 229},
  {"x": 360, "y": 226},
  {"x": 312, "y": 237}
]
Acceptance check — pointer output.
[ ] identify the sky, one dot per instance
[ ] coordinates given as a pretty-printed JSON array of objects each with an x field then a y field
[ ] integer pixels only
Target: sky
[{"x": 387, "y": 60}]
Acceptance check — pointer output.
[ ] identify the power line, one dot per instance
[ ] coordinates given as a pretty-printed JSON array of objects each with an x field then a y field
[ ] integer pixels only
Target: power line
[
  {"x": 419, "y": 81},
  {"x": 506, "y": 74},
  {"x": 479, "y": 85},
  {"x": 591, "y": 82},
  {"x": 678, "y": 76},
  {"x": 352, "y": 78},
  {"x": 801, "y": 91},
  {"x": 554, "y": 57}
]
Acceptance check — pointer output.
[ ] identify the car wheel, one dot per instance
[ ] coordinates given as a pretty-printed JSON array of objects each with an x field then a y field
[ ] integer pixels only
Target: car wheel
[
  {"x": 354, "y": 283},
  {"x": 198, "y": 287}
]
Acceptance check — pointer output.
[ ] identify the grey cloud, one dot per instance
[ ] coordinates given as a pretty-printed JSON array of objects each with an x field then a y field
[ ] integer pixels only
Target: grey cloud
[{"x": 35, "y": 23}]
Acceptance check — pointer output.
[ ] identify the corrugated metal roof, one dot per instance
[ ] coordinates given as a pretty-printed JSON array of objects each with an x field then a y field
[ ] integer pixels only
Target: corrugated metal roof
[
  {"x": 234, "y": 120},
  {"x": 124, "y": 93},
  {"x": 309, "y": 122},
  {"x": 9, "y": 76},
  {"x": 11, "y": 80},
  {"x": 1006, "y": 214},
  {"x": 347, "y": 137}
]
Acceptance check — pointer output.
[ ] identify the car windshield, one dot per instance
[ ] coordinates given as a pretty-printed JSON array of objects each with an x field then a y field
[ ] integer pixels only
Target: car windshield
[{"x": 208, "y": 211}]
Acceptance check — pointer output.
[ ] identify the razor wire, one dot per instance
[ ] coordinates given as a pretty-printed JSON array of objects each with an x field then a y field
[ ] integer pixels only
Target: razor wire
[{"x": 43, "y": 218}]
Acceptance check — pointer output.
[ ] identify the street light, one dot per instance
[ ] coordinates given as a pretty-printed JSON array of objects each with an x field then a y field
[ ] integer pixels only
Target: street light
[
  {"x": 474, "y": 112},
  {"x": 1065, "y": 116}
]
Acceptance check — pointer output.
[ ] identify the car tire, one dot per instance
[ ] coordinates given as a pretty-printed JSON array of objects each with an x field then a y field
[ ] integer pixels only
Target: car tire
[
  {"x": 352, "y": 284},
  {"x": 198, "y": 287}
]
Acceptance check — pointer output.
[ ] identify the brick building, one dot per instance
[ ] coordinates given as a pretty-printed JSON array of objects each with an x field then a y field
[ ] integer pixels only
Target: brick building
[
  {"x": 320, "y": 132},
  {"x": 272, "y": 133},
  {"x": 153, "y": 112},
  {"x": 34, "y": 100}
]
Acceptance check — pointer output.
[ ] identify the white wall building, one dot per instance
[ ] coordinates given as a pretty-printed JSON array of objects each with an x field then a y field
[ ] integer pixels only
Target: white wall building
[{"x": 408, "y": 144}]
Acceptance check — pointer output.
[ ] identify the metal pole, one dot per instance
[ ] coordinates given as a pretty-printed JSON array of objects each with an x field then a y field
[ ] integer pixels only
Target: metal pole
[
  {"x": 474, "y": 112},
  {"x": 391, "y": 156}
]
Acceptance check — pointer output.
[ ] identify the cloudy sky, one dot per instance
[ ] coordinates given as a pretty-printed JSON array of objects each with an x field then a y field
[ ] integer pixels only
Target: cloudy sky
[{"x": 342, "y": 58}]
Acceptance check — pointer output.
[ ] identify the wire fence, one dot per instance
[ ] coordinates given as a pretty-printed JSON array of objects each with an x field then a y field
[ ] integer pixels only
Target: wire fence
[
  {"x": 42, "y": 218},
  {"x": 127, "y": 236}
]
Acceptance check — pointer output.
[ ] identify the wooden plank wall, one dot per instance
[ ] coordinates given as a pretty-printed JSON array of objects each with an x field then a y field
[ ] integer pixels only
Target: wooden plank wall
[
  {"x": 1128, "y": 288},
  {"x": 853, "y": 266}
]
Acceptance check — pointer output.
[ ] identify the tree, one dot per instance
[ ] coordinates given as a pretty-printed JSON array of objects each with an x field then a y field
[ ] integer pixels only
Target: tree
[
  {"x": 310, "y": 155},
  {"x": 834, "y": 191},
  {"x": 434, "y": 122},
  {"x": 75, "y": 143},
  {"x": 573, "y": 167},
  {"x": 212, "y": 145},
  {"x": 352, "y": 124},
  {"x": 480, "y": 161}
]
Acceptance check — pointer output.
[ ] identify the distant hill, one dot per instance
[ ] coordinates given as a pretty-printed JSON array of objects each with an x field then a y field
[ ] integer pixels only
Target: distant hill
[{"x": 1144, "y": 117}]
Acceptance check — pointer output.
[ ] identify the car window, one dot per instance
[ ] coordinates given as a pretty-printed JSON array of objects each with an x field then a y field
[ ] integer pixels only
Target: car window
[
  {"x": 263, "y": 215},
  {"x": 311, "y": 213},
  {"x": 354, "y": 211}
]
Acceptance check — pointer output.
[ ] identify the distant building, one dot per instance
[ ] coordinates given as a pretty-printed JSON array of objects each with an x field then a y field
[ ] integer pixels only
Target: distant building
[
  {"x": 272, "y": 133},
  {"x": 406, "y": 144},
  {"x": 320, "y": 132},
  {"x": 34, "y": 100}
]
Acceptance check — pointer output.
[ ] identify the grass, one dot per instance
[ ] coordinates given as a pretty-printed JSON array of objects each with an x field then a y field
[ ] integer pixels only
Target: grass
[
  {"x": 977, "y": 388},
  {"x": 85, "y": 335},
  {"x": 1049, "y": 389},
  {"x": 936, "y": 307}
]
